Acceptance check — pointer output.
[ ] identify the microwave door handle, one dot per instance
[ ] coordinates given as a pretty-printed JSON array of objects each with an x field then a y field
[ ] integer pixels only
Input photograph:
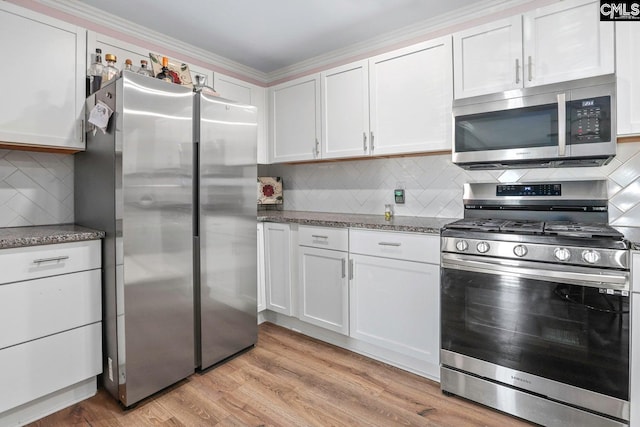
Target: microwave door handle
[{"x": 562, "y": 125}]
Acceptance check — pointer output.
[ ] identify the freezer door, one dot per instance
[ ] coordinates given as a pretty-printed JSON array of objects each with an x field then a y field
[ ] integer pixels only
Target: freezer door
[
  {"x": 228, "y": 272},
  {"x": 155, "y": 312}
]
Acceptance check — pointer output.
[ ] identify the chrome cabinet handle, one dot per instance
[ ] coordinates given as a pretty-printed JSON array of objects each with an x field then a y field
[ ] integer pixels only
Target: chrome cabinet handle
[
  {"x": 364, "y": 141},
  {"x": 351, "y": 269},
  {"x": 82, "y": 130},
  {"x": 372, "y": 146},
  {"x": 317, "y": 236},
  {"x": 562, "y": 125},
  {"x": 344, "y": 268},
  {"x": 389, "y": 244},
  {"x": 517, "y": 70},
  {"x": 317, "y": 148},
  {"x": 57, "y": 258},
  {"x": 530, "y": 69}
]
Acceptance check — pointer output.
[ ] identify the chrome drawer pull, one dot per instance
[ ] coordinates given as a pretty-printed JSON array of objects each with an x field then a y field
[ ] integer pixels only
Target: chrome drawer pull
[
  {"x": 315, "y": 236},
  {"x": 57, "y": 258},
  {"x": 389, "y": 244}
]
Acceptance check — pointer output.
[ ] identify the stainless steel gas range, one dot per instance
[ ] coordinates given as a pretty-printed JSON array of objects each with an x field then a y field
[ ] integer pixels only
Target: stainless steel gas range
[{"x": 535, "y": 304}]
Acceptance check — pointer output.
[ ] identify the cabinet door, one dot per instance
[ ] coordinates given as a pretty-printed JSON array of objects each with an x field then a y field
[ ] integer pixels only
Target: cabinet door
[
  {"x": 345, "y": 111},
  {"x": 247, "y": 93},
  {"x": 43, "y": 89},
  {"x": 628, "y": 77},
  {"x": 488, "y": 58},
  {"x": 411, "y": 96},
  {"x": 566, "y": 41},
  {"x": 278, "y": 267},
  {"x": 324, "y": 291},
  {"x": 295, "y": 120},
  {"x": 124, "y": 50},
  {"x": 261, "y": 270},
  {"x": 395, "y": 304}
]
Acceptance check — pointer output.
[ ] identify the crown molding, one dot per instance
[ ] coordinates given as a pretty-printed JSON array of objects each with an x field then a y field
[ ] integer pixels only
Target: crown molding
[
  {"x": 455, "y": 20},
  {"x": 421, "y": 31},
  {"x": 101, "y": 18}
]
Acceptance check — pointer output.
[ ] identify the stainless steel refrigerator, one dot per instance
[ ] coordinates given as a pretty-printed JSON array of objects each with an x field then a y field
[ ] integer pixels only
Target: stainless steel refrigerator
[{"x": 176, "y": 276}]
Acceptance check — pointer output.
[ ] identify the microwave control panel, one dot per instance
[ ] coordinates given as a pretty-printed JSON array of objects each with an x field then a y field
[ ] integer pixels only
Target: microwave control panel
[{"x": 590, "y": 120}]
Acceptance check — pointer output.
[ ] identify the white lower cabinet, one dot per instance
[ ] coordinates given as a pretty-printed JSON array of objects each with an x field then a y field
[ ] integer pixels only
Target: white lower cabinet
[
  {"x": 394, "y": 303},
  {"x": 323, "y": 289},
  {"x": 51, "y": 347},
  {"x": 277, "y": 243},
  {"x": 373, "y": 292},
  {"x": 262, "y": 305}
]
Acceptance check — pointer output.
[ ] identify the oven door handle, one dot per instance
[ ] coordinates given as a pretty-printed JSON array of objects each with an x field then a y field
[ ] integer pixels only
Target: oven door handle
[{"x": 573, "y": 275}]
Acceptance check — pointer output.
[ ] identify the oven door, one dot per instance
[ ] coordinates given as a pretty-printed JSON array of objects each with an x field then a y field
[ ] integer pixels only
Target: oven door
[{"x": 555, "y": 330}]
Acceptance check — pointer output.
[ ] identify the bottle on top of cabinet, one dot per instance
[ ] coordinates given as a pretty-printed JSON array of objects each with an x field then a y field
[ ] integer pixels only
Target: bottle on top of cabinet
[
  {"x": 144, "y": 68},
  {"x": 165, "y": 74},
  {"x": 110, "y": 72},
  {"x": 128, "y": 65},
  {"x": 94, "y": 75}
]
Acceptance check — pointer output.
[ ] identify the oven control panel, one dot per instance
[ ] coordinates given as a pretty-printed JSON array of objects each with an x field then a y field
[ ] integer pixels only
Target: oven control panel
[
  {"x": 575, "y": 255},
  {"x": 506, "y": 190}
]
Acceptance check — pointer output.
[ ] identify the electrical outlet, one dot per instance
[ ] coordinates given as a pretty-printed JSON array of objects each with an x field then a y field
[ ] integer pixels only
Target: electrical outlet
[{"x": 398, "y": 195}]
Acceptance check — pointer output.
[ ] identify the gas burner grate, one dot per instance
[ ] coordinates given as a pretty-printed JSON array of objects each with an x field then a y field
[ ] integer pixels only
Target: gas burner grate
[{"x": 581, "y": 230}]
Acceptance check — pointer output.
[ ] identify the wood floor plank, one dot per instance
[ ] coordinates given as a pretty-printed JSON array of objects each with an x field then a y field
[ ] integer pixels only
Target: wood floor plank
[{"x": 289, "y": 379}]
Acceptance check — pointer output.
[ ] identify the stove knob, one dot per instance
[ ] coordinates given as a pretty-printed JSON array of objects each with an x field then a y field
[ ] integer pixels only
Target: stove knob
[
  {"x": 562, "y": 254},
  {"x": 462, "y": 245},
  {"x": 520, "y": 250},
  {"x": 590, "y": 257},
  {"x": 482, "y": 247}
]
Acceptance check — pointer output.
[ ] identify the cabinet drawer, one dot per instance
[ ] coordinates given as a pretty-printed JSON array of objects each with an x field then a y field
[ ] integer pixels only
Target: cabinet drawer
[
  {"x": 34, "y": 369},
  {"x": 41, "y": 307},
  {"x": 324, "y": 237},
  {"x": 405, "y": 246},
  {"x": 34, "y": 262}
]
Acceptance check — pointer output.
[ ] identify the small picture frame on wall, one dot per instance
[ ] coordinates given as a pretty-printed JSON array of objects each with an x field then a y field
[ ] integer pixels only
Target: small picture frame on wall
[{"x": 270, "y": 190}]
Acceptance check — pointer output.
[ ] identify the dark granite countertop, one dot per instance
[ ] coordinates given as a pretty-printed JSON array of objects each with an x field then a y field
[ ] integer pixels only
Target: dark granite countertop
[
  {"x": 15, "y": 237},
  {"x": 413, "y": 224}
]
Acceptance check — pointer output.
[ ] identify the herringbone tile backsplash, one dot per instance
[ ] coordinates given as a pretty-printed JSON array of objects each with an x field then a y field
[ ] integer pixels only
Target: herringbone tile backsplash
[
  {"x": 37, "y": 188},
  {"x": 433, "y": 185}
]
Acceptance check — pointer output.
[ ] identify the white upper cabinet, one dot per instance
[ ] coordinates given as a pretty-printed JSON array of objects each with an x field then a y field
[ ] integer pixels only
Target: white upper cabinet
[
  {"x": 123, "y": 50},
  {"x": 345, "y": 111},
  {"x": 560, "y": 42},
  {"x": 628, "y": 77},
  {"x": 294, "y": 109},
  {"x": 395, "y": 103},
  {"x": 43, "y": 90},
  {"x": 488, "y": 58},
  {"x": 247, "y": 93},
  {"x": 410, "y": 94}
]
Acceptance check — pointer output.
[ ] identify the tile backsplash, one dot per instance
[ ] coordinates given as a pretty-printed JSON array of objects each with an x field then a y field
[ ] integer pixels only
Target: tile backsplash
[
  {"x": 37, "y": 188},
  {"x": 433, "y": 185}
]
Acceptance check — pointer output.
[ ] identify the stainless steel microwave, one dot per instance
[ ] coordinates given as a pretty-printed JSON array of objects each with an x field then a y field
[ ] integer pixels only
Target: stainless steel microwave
[{"x": 559, "y": 125}]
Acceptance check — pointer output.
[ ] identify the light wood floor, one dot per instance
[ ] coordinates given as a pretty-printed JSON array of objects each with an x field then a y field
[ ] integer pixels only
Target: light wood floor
[{"x": 289, "y": 379}]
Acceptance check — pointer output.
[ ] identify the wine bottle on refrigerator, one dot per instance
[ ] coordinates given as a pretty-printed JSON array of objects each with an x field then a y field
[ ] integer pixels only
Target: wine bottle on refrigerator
[
  {"x": 94, "y": 75},
  {"x": 165, "y": 74},
  {"x": 110, "y": 72},
  {"x": 144, "y": 68}
]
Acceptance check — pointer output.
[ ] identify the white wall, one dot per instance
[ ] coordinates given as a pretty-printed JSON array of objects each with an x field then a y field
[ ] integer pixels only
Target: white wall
[
  {"x": 434, "y": 185},
  {"x": 35, "y": 188}
]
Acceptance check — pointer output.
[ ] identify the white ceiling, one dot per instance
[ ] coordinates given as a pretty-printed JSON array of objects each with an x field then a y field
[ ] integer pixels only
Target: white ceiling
[{"x": 269, "y": 35}]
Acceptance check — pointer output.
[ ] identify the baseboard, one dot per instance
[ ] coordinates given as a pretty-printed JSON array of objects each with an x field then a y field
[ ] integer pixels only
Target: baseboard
[{"x": 46, "y": 405}]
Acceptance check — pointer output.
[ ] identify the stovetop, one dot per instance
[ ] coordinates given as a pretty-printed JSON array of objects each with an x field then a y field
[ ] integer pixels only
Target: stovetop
[{"x": 549, "y": 228}]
